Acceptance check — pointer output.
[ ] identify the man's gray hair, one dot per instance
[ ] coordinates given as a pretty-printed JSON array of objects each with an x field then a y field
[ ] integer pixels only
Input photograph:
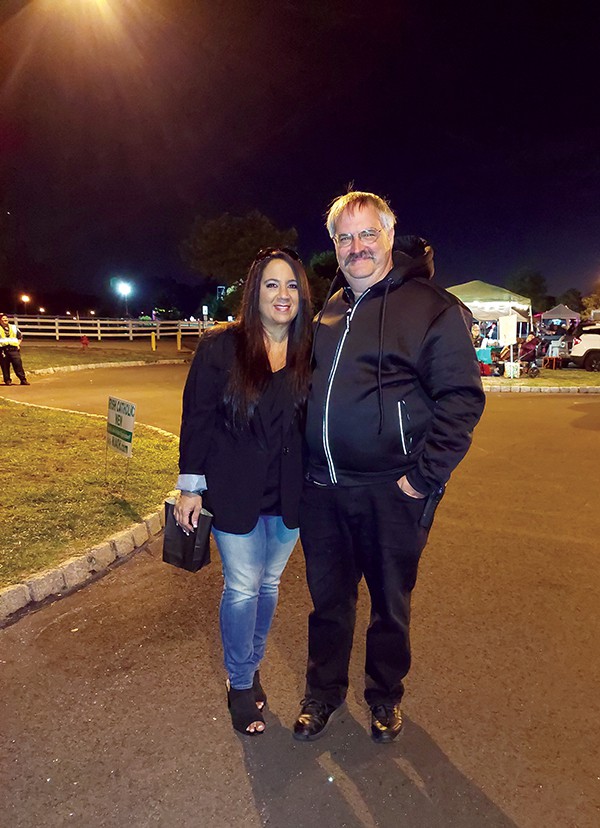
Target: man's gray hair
[{"x": 355, "y": 199}]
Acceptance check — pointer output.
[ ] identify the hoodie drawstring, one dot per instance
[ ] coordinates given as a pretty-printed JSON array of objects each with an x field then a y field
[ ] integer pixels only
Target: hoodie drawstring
[
  {"x": 381, "y": 335},
  {"x": 380, "y": 355}
]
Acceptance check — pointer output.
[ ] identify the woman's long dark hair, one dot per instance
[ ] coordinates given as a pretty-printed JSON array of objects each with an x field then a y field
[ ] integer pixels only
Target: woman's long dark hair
[{"x": 251, "y": 370}]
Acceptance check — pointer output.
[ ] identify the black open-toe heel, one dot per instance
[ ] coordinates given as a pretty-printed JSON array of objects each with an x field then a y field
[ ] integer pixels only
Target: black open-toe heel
[
  {"x": 243, "y": 710},
  {"x": 260, "y": 697}
]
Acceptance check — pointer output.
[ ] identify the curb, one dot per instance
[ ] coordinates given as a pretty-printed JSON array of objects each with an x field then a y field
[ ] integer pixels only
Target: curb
[
  {"x": 541, "y": 389},
  {"x": 65, "y": 369},
  {"x": 79, "y": 570},
  {"x": 75, "y": 572}
]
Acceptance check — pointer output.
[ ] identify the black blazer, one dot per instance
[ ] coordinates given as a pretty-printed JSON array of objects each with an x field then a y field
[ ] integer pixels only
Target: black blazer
[{"x": 235, "y": 465}]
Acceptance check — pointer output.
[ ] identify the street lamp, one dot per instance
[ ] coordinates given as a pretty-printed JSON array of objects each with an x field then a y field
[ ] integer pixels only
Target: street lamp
[
  {"x": 42, "y": 310},
  {"x": 92, "y": 313},
  {"x": 25, "y": 299},
  {"x": 124, "y": 289}
]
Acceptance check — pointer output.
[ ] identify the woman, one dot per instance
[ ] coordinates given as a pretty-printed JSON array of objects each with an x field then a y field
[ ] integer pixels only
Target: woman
[{"x": 240, "y": 457}]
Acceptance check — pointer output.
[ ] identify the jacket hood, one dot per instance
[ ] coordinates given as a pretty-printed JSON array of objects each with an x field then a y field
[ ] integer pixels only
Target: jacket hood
[{"x": 412, "y": 258}]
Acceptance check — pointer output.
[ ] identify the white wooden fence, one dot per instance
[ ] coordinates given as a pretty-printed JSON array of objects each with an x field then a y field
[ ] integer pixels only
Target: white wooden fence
[{"x": 65, "y": 327}]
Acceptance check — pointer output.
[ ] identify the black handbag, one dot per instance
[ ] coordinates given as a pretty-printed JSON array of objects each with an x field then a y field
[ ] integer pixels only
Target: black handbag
[{"x": 186, "y": 551}]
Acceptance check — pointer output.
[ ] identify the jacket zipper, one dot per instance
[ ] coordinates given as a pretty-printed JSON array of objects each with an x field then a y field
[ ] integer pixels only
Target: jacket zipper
[
  {"x": 336, "y": 359},
  {"x": 401, "y": 408}
]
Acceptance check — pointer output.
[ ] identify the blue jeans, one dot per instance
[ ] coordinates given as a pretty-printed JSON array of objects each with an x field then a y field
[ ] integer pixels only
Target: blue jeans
[{"x": 252, "y": 567}]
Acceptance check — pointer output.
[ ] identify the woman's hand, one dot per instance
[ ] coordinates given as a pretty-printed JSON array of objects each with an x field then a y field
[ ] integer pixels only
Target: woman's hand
[{"x": 187, "y": 511}]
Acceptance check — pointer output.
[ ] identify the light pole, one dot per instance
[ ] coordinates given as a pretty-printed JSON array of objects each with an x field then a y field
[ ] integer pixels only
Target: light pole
[{"x": 124, "y": 289}]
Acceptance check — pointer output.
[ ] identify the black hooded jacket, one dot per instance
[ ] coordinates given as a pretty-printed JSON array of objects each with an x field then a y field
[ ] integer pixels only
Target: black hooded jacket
[{"x": 396, "y": 387}]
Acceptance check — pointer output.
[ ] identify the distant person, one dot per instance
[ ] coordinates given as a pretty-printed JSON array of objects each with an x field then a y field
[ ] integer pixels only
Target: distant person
[
  {"x": 476, "y": 335},
  {"x": 395, "y": 395},
  {"x": 492, "y": 331},
  {"x": 241, "y": 458},
  {"x": 491, "y": 336},
  {"x": 10, "y": 351},
  {"x": 528, "y": 348}
]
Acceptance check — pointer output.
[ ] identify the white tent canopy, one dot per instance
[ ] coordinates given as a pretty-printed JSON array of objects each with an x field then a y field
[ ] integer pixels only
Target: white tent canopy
[
  {"x": 488, "y": 302},
  {"x": 494, "y": 315},
  {"x": 561, "y": 312}
]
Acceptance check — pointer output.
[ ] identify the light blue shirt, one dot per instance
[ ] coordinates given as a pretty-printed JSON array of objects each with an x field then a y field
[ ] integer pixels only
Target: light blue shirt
[{"x": 195, "y": 483}]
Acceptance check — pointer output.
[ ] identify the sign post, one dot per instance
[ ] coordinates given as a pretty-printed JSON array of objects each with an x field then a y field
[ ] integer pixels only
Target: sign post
[
  {"x": 507, "y": 336},
  {"x": 119, "y": 425}
]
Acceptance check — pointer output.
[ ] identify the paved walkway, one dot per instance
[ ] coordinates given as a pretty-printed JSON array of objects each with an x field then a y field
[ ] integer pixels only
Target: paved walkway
[{"x": 112, "y": 699}]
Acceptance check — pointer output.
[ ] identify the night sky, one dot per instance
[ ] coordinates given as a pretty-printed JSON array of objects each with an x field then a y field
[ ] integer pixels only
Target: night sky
[{"x": 120, "y": 120}]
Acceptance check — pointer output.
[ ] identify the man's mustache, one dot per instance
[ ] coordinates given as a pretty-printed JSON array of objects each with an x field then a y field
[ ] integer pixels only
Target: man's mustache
[{"x": 355, "y": 257}]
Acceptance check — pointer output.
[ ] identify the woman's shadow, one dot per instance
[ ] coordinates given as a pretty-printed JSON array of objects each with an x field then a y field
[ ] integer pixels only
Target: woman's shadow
[{"x": 344, "y": 779}]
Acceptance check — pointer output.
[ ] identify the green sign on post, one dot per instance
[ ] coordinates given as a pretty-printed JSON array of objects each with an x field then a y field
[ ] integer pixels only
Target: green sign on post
[{"x": 119, "y": 425}]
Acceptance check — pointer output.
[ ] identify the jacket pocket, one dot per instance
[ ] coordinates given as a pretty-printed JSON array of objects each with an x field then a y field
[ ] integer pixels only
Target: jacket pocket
[{"x": 404, "y": 423}]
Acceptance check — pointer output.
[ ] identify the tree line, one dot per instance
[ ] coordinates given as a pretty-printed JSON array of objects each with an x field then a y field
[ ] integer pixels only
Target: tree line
[
  {"x": 532, "y": 284},
  {"x": 222, "y": 249}
]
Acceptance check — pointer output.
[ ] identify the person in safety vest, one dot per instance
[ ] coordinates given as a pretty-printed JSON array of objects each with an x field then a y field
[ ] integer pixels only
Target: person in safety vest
[{"x": 10, "y": 351}]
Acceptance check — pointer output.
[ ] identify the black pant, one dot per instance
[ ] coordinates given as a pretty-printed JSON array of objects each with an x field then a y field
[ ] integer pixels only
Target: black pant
[
  {"x": 347, "y": 533},
  {"x": 8, "y": 357}
]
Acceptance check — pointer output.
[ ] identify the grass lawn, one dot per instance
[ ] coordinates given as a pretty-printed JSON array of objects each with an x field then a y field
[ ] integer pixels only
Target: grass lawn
[
  {"x": 57, "y": 500},
  {"x": 51, "y": 355},
  {"x": 563, "y": 377}
]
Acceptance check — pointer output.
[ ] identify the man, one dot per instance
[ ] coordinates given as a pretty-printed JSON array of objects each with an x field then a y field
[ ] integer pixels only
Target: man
[
  {"x": 10, "y": 351},
  {"x": 395, "y": 396}
]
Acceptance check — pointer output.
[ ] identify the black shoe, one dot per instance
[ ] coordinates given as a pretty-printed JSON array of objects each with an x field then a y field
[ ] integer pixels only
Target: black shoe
[
  {"x": 244, "y": 711},
  {"x": 8, "y": 383},
  {"x": 24, "y": 382},
  {"x": 313, "y": 720},
  {"x": 386, "y": 722}
]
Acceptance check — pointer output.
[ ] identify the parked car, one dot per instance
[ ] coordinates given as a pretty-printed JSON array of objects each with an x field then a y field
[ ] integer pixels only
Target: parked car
[{"x": 585, "y": 350}]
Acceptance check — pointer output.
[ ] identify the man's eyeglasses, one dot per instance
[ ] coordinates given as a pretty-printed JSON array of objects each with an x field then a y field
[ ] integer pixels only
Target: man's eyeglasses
[
  {"x": 267, "y": 252},
  {"x": 368, "y": 236}
]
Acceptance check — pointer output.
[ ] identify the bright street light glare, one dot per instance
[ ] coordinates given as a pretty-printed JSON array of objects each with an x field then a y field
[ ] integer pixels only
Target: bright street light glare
[
  {"x": 124, "y": 288},
  {"x": 25, "y": 298}
]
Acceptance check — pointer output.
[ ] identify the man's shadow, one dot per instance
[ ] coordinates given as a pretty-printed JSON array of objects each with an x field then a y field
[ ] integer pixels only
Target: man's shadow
[
  {"x": 590, "y": 415},
  {"x": 344, "y": 779}
]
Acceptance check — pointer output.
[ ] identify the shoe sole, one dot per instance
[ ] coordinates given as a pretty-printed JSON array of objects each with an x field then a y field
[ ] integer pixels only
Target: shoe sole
[{"x": 299, "y": 737}]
